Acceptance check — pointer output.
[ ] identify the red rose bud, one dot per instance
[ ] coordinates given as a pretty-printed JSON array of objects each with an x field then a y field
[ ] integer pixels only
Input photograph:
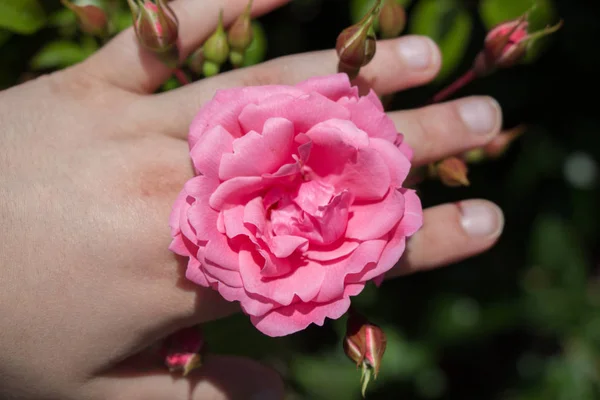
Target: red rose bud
[
  {"x": 356, "y": 44},
  {"x": 240, "y": 36},
  {"x": 156, "y": 27},
  {"x": 182, "y": 350},
  {"x": 91, "y": 16},
  {"x": 392, "y": 19},
  {"x": 507, "y": 44},
  {"x": 453, "y": 172},
  {"x": 216, "y": 47},
  {"x": 365, "y": 345}
]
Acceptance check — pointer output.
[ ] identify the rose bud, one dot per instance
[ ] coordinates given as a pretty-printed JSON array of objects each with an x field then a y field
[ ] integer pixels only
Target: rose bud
[
  {"x": 240, "y": 36},
  {"x": 392, "y": 19},
  {"x": 182, "y": 350},
  {"x": 365, "y": 345},
  {"x": 507, "y": 44},
  {"x": 91, "y": 16},
  {"x": 196, "y": 61},
  {"x": 453, "y": 172},
  {"x": 156, "y": 28},
  {"x": 356, "y": 44},
  {"x": 498, "y": 146},
  {"x": 215, "y": 49}
]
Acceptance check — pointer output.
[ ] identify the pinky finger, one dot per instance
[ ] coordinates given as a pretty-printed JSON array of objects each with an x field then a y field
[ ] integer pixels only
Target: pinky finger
[{"x": 450, "y": 233}]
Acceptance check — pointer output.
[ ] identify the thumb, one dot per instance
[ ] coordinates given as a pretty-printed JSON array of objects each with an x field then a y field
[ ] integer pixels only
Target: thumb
[{"x": 220, "y": 378}]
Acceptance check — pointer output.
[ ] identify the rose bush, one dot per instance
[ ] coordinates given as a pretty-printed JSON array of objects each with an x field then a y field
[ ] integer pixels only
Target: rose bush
[{"x": 297, "y": 202}]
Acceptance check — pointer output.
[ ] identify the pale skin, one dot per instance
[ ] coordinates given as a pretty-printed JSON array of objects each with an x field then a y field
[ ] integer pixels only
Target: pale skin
[{"x": 91, "y": 163}]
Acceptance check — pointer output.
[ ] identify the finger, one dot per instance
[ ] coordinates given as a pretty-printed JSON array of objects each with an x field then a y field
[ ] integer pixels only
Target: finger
[
  {"x": 124, "y": 63},
  {"x": 220, "y": 378},
  {"x": 398, "y": 64},
  {"x": 450, "y": 233},
  {"x": 441, "y": 130}
]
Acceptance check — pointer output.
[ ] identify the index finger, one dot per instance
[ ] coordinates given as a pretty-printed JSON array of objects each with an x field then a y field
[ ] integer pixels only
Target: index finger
[{"x": 124, "y": 63}]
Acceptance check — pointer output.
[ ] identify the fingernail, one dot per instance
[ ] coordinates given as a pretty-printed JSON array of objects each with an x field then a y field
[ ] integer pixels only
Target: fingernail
[
  {"x": 268, "y": 394},
  {"x": 480, "y": 115},
  {"x": 417, "y": 52},
  {"x": 481, "y": 218}
]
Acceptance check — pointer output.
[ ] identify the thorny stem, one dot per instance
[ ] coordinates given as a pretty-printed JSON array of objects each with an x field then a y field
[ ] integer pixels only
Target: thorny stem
[
  {"x": 181, "y": 76},
  {"x": 449, "y": 90}
]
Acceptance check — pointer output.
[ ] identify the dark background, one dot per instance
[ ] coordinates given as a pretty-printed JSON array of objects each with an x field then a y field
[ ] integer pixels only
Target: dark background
[{"x": 521, "y": 321}]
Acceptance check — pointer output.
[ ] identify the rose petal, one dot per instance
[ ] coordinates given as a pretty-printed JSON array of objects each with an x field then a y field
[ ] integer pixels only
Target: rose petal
[
  {"x": 283, "y": 246},
  {"x": 340, "y": 157},
  {"x": 224, "y": 276},
  {"x": 373, "y": 220},
  {"x": 233, "y": 218},
  {"x": 200, "y": 216},
  {"x": 389, "y": 257},
  {"x": 397, "y": 162},
  {"x": 374, "y": 99},
  {"x": 236, "y": 191},
  {"x": 331, "y": 252},
  {"x": 255, "y": 154},
  {"x": 413, "y": 213},
  {"x": 333, "y": 87},
  {"x": 404, "y": 147},
  {"x": 370, "y": 118},
  {"x": 226, "y": 106},
  {"x": 180, "y": 202},
  {"x": 255, "y": 214},
  {"x": 195, "y": 273},
  {"x": 304, "y": 281},
  {"x": 286, "y": 320},
  {"x": 303, "y": 111},
  {"x": 219, "y": 252},
  {"x": 365, "y": 256},
  {"x": 209, "y": 150}
]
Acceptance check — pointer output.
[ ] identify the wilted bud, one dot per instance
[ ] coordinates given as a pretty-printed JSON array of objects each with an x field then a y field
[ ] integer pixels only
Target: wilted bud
[
  {"x": 365, "y": 345},
  {"x": 240, "y": 36},
  {"x": 507, "y": 44},
  {"x": 182, "y": 351},
  {"x": 356, "y": 44},
  {"x": 196, "y": 60},
  {"x": 91, "y": 15},
  {"x": 156, "y": 27},
  {"x": 216, "y": 48},
  {"x": 498, "y": 145},
  {"x": 392, "y": 19},
  {"x": 453, "y": 172}
]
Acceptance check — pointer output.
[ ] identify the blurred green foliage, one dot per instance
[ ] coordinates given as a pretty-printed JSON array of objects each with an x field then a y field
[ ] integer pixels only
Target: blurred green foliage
[{"x": 521, "y": 322}]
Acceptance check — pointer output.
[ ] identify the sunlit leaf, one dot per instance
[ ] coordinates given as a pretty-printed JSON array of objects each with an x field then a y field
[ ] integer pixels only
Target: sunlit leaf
[
  {"x": 448, "y": 24},
  {"x": 358, "y": 8},
  {"x": 61, "y": 54},
  {"x": 258, "y": 48},
  {"x": 22, "y": 16}
]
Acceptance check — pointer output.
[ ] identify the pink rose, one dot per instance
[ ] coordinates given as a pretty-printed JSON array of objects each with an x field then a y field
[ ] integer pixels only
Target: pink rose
[{"x": 298, "y": 201}]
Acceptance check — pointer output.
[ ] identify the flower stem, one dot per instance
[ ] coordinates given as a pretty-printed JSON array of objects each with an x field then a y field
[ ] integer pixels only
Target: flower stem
[
  {"x": 181, "y": 76},
  {"x": 449, "y": 90}
]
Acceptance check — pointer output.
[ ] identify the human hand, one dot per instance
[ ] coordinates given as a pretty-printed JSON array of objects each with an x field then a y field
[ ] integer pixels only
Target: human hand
[{"x": 91, "y": 164}]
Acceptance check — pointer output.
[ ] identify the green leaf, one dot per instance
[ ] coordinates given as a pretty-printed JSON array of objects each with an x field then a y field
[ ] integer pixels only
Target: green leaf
[
  {"x": 61, "y": 54},
  {"x": 358, "y": 8},
  {"x": 448, "y": 24},
  {"x": 494, "y": 12},
  {"x": 4, "y": 36},
  {"x": 22, "y": 16},
  {"x": 258, "y": 48}
]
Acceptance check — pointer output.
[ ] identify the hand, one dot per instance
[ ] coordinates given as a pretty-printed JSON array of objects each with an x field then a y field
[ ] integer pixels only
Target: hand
[{"x": 90, "y": 167}]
